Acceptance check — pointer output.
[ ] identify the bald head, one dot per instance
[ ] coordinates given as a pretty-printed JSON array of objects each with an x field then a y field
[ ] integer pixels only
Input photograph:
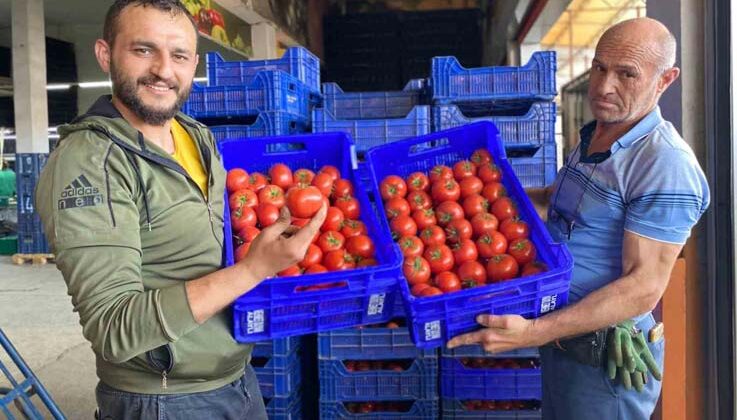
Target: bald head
[{"x": 651, "y": 38}]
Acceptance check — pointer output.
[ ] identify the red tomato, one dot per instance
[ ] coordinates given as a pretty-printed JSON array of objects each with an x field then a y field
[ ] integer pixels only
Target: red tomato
[
  {"x": 257, "y": 181},
  {"x": 396, "y": 207},
  {"x": 349, "y": 206},
  {"x": 272, "y": 194},
  {"x": 267, "y": 214},
  {"x": 342, "y": 188},
  {"x": 403, "y": 226},
  {"x": 242, "y": 217},
  {"x": 522, "y": 250},
  {"x": 323, "y": 182},
  {"x": 392, "y": 186},
  {"x": 241, "y": 251},
  {"x": 290, "y": 272},
  {"x": 249, "y": 233},
  {"x": 332, "y": 170},
  {"x": 411, "y": 246},
  {"x": 304, "y": 201},
  {"x": 416, "y": 270},
  {"x": 417, "y": 181},
  {"x": 353, "y": 228},
  {"x": 504, "y": 208},
  {"x": 440, "y": 258},
  {"x": 440, "y": 172},
  {"x": 491, "y": 244},
  {"x": 471, "y": 274},
  {"x": 296, "y": 221},
  {"x": 501, "y": 267},
  {"x": 534, "y": 267},
  {"x": 471, "y": 185},
  {"x": 331, "y": 241},
  {"x": 483, "y": 223},
  {"x": 463, "y": 169},
  {"x": 419, "y": 200},
  {"x": 489, "y": 173},
  {"x": 431, "y": 291},
  {"x": 464, "y": 251},
  {"x": 312, "y": 256},
  {"x": 458, "y": 230},
  {"x": 243, "y": 198},
  {"x": 475, "y": 204},
  {"x": 432, "y": 235},
  {"x": 424, "y": 218},
  {"x": 514, "y": 228},
  {"x": 281, "y": 175},
  {"x": 303, "y": 176},
  {"x": 315, "y": 269},
  {"x": 417, "y": 289},
  {"x": 446, "y": 190},
  {"x": 493, "y": 191},
  {"x": 333, "y": 220},
  {"x": 360, "y": 246},
  {"x": 480, "y": 157},
  {"x": 237, "y": 179},
  {"x": 447, "y": 211},
  {"x": 448, "y": 282},
  {"x": 367, "y": 262},
  {"x": 338, "y": 260}
]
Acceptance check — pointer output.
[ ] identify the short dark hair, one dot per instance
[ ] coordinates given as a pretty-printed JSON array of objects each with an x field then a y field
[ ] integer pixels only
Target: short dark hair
[{"x": 110, "y": 30}]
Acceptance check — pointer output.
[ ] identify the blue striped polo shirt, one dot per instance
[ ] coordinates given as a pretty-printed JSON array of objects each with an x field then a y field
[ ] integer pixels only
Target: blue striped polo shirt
[{"x": 648, "y": 183}]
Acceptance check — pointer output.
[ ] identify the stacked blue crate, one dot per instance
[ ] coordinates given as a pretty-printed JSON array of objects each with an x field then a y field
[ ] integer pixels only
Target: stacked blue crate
[
  {"x": 31, "y": 239},
  {"x": 376, "y": 372},
  {"x": 278, "y": 366},
  {"x": 517, "y": 99}
]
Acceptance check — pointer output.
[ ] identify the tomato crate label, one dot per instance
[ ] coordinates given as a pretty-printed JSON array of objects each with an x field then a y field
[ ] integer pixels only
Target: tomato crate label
[
  {"x": 432, "y": 330},
  {"x": 376, "y": 304},
  {"x": 548, "y": 303},
  {"x": 255, "y": 321}
]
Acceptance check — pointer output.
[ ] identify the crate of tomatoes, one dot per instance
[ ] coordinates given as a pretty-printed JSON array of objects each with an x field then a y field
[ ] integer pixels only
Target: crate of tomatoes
[
  {"x": 348, "y": 276},
  {"x": 472, "y": 242}
]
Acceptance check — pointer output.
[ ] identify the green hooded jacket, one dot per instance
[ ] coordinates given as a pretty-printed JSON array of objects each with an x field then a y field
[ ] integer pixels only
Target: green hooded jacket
[{"x": 129, "y": 227}]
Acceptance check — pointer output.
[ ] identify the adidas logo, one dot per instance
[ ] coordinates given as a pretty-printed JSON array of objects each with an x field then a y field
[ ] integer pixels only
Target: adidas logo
[{"x": 79, "y": 193}]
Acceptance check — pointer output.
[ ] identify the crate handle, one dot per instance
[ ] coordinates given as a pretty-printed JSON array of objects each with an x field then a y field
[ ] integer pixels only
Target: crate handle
[
  {"x": 487, "y": 296},
  {"x": 328, "y": 285},
  {"x": 428, "y": 146},
  {"x": 521, "y": 152},
  {"x": 295, "y": 147}
]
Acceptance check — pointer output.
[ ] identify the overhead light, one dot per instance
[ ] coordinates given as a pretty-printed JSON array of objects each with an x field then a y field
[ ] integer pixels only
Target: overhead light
[
  {"x": 106, "y": 83},
  {"x": 58, "y": 86}
]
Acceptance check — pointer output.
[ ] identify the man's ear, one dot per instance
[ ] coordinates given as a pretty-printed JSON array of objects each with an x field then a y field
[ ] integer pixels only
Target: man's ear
[
  {"x": 103, "y": 51},
  {"x": 667, "y": 78}
]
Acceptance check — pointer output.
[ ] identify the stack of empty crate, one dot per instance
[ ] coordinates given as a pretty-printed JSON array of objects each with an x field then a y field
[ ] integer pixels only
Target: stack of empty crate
[
  {"x": 279, "y": 369},
  {"x": 377, "y": 373},
  {"x": 517, "y": 99},
  {"x": 28, "y": 167},
  {"x": 257, "y": 98}
]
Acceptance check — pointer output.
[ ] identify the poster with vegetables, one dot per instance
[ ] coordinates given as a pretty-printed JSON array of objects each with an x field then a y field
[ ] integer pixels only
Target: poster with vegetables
[{"x": 220, "y": 25}]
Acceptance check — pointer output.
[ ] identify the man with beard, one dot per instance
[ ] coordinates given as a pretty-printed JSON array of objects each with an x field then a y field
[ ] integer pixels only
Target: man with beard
[
  {"x": 624, "y": 203},
  {"x": 132, "y": 203}
]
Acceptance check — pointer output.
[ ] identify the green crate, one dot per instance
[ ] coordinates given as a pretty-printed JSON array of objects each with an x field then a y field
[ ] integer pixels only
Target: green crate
[{"x": 8, "y": 245}]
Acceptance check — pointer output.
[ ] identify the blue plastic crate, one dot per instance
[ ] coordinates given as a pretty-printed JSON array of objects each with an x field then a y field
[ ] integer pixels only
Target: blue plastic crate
[
  {"x": 370, "y": 133},
  {"x": 373, "y": 105},
  {"x": 478, "y": 351},
  {"x": 436, "y": 319},
  {"x": 533, "y": 129},
  {"x": 420, "y": 410},
  {"x": 453, "y": 409},
  {"x": 284, "y": 408},
  {"x": 32, "y": 243},
  {"x": 28, "y": 167},
  {"x": 276, "y": 347},
  {"x": 278, "y": 362},
  {"x": 369, "y": 344},
  {"x": 452, "y": 83},
  {"x": 297, "y": 61},
  {"x": 280, "y": 377},
  {"x": 535, "y": 167},
  {"x": 419, "y": 381},
  {"x": 269, "y": 91},
  {"x": 268, "y": 123},
  {"x": 459, "y": 381},
  {"x": 276, "y": 307},
  {"x": 30, "y": 163}
]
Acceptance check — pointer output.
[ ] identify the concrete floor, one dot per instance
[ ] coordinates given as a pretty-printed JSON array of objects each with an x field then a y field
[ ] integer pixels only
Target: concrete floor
[{"x": 36, "y": 314}]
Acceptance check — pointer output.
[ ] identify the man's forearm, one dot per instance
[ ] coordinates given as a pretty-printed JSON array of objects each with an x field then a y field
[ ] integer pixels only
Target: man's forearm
[
  {"x": 540, "y": 198},
  {"x": 210, "y": 294}
]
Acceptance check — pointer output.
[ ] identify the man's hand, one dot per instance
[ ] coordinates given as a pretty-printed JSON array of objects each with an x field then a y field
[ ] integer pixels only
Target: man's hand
[
  {"x": 281, "y": 245},
  {"x": 503, "y": 333}
]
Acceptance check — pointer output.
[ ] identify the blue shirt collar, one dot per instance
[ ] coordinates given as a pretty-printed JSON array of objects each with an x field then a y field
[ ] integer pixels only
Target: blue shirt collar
[{"x": 638, "y": 132}]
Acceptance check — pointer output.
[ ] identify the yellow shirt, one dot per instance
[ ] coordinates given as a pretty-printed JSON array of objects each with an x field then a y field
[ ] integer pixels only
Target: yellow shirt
[{"x": 188, "y": 156}]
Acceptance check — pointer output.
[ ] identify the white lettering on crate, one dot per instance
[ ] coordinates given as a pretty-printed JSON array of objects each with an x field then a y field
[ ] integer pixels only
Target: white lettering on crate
[
  {"x": 432, "y": 330},
  {"x": 548, "y": 303},
  {"x": 376, "y": 304},
  {"x": 255, "y": 322}
]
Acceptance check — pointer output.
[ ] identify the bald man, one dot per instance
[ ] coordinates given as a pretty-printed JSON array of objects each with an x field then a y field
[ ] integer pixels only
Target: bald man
[{"x": 624, "y": 203}]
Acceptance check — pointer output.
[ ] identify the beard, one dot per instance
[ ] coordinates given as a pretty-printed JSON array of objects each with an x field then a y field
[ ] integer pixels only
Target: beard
[{"x": 126, "y": 90}]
